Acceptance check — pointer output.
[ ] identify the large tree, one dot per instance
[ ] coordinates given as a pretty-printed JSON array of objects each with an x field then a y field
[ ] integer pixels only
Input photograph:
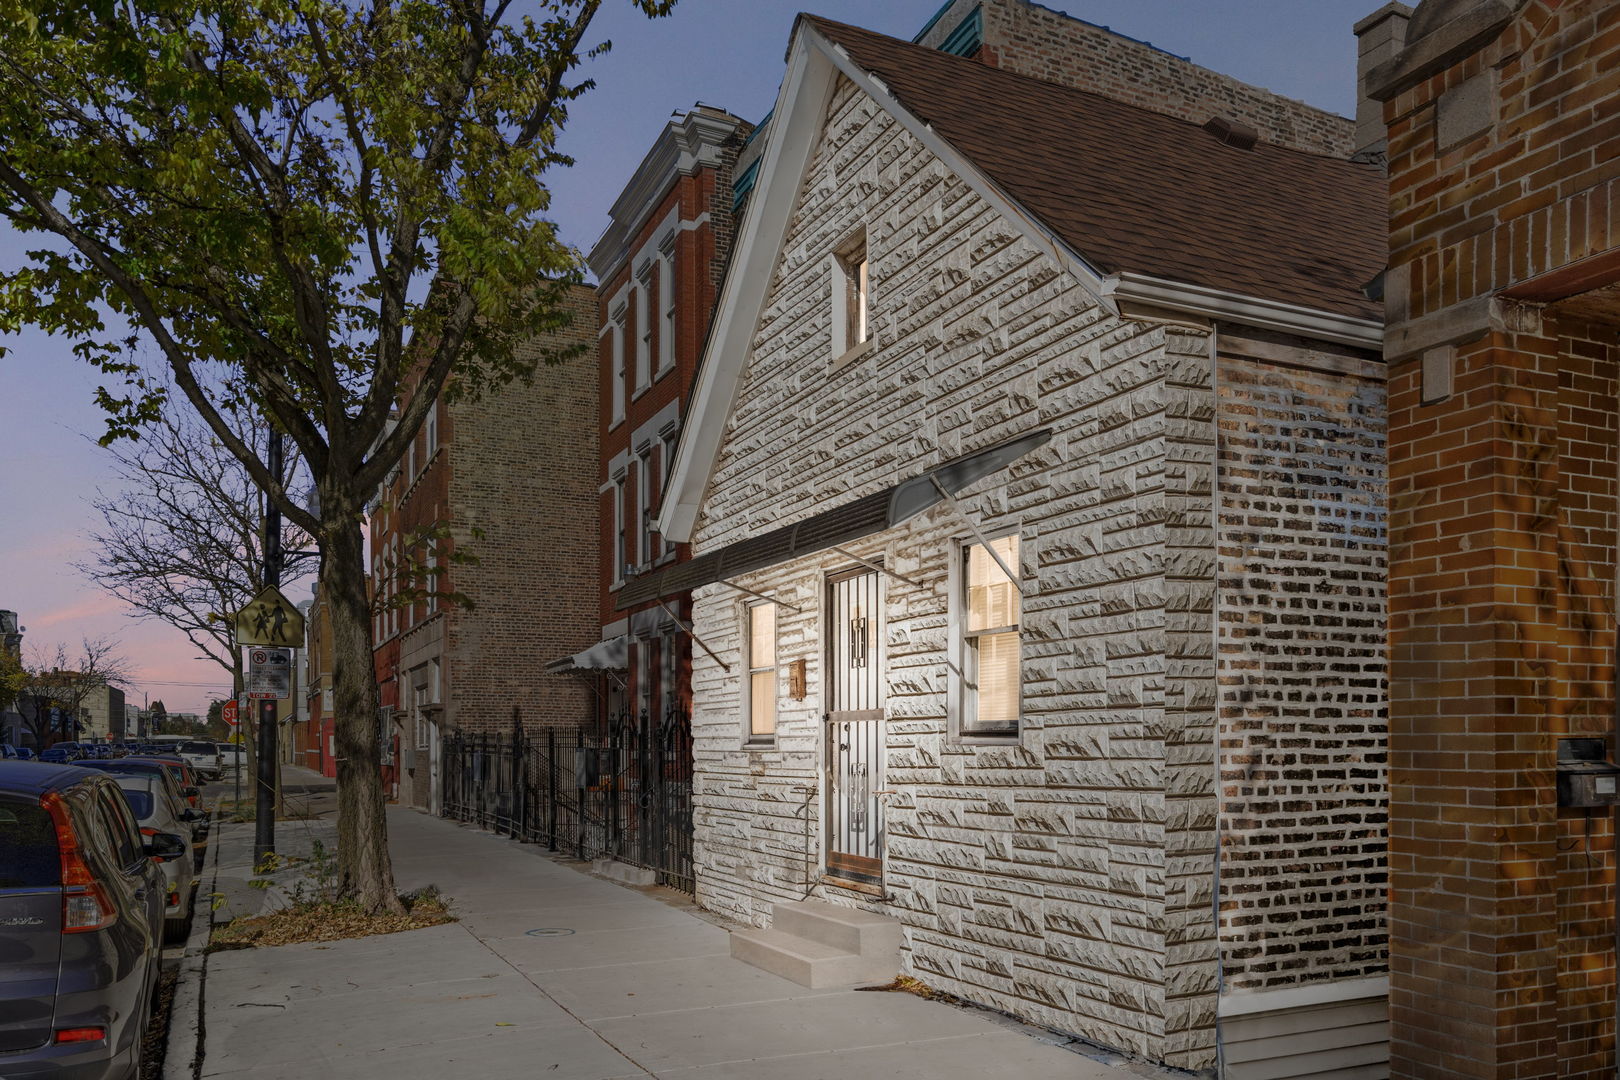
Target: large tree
[{"x": 328, "y": 212}]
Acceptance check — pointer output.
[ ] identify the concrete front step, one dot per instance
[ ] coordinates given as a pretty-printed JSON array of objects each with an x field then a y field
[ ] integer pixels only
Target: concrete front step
[
  {"x": 846, "y": 929},
  {"x": 808, "y": 963},
  {"x": 817, "y": 944}
]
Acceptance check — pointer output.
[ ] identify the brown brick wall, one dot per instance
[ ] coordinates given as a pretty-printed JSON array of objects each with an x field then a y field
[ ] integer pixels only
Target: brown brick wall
[
  {"x": 523, "y": 471},
  {"x": 1300, "y": 634},
  {"x": 1504, "y": 183},
  {"x": 1502, "y": 634},
  {"x": 1034, "y": 40},
  {"x": 1536, "y": 189}
]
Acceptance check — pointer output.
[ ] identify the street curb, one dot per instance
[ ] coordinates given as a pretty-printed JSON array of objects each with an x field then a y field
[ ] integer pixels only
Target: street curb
[{"x": 183, "y": 1053}]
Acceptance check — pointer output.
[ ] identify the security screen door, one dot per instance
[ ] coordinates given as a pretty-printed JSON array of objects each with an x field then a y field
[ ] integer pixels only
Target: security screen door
[{"x": 854, "y": 755}]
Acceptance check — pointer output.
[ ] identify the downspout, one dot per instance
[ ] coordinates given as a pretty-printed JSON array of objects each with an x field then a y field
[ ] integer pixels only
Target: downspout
[{"x": 1215, "y": 653}]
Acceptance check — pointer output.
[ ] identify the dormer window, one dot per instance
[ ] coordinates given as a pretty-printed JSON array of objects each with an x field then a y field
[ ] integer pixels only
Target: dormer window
[{"x": 851, "y": 327}]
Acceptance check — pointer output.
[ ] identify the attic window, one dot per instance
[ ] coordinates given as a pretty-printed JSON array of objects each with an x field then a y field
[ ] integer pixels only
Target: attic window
[
  {"x": 851, "y": 328},
  {"x": 1232, "y": 133}
]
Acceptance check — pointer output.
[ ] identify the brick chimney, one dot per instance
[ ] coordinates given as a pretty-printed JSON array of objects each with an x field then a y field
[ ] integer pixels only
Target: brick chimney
[{"x": 1379, "y": 37}]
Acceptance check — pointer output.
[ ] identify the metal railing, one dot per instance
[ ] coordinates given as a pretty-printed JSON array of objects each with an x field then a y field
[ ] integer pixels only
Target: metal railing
[{"x": 623, "y": 793}]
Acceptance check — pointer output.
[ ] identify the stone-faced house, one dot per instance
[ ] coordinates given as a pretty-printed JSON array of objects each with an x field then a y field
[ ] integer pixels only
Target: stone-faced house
[{"x": 1034, "y": 478}]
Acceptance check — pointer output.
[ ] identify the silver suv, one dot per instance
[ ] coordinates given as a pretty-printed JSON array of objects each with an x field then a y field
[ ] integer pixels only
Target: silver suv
[
  {"x": 81, "y": 922},
  {"x": 204, "y": 759}
]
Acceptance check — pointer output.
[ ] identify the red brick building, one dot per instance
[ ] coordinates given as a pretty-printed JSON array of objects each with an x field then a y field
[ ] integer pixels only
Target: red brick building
[
  {"x": 509, "y": 480},
  {"x": 1503, "y": 296},
  {"x": 659, "y": 267}
]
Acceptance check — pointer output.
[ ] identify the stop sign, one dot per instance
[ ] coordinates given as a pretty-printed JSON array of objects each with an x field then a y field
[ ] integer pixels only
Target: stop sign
[{"x": 228, "y": 712}]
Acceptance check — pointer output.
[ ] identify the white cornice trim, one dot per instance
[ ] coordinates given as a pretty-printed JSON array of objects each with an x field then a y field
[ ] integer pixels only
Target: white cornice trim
[
  {"x": 1128, "y": 290},
  {"x": 695, "y": 141}
]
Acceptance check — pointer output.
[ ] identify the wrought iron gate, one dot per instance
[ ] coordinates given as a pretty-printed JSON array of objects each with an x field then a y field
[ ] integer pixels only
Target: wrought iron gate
[
  {"x": 855, "y": 743},
  {"x": 623, "y": 793}
]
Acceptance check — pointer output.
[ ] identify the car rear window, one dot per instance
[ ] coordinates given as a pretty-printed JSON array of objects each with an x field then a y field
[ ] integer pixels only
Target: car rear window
[
  {"x": 198, "y": 748},
  {"x": 140, "y": 801},
  {"x": 28, "y": 856}
]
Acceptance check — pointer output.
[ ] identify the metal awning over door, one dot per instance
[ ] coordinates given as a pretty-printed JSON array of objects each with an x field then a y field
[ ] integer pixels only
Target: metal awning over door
[{"x": 841, "y": 525}]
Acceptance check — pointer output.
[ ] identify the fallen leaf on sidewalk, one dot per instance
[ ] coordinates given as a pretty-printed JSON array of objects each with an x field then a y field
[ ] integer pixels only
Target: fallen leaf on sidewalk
[{"x": 503, "y": 1023}]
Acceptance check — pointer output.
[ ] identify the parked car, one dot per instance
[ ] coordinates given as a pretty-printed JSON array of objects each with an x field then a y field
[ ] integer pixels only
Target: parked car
[
  {"x": 183, "y": 796},
  {"x": 26, "y": 753},
  {"x": 81, "y": 923},
  {"x": 232, "y": 755},
  {"x": 204, "y": 758},
  {"x": 158, "y": 812},
  {"x": 185, "y": 779},
  {"x": 8, "y": 752},
  {"x": 60, "y": 754}
]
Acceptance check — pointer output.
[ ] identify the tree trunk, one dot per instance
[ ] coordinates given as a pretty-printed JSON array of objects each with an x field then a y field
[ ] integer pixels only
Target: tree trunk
[{"x": 365, "y": 870}]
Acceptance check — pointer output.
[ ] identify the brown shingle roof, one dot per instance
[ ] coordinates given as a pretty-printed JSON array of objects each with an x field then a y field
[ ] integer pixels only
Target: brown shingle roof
[{"x": 1133, "y": 190}]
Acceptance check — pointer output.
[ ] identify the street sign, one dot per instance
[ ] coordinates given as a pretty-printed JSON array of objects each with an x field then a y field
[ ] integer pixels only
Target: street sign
[
  {"x": 269, "y": 675},
  {"x": 270, "y": 619},
  {"x": 227, "y": 712}
]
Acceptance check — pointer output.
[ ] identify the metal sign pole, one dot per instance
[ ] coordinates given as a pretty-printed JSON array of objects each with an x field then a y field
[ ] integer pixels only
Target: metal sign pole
[{"x": 264, "y": 803}]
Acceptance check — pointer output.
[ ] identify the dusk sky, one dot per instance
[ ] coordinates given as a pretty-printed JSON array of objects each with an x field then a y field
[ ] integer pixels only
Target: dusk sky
[{"x": 727, "y": 53}]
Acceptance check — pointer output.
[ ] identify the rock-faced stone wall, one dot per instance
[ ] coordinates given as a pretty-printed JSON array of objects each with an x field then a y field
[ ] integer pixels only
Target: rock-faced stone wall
[{"x": 1066, "y": 876}]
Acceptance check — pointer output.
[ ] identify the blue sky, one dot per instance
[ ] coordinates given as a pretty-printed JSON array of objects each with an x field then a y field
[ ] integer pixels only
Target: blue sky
[{"x": 727, "y": 53}]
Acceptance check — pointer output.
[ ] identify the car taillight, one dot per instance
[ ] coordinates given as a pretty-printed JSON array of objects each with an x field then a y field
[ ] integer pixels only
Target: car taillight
[
  {"x": 85, "y": 905},
  {"x": 80, "y": 1034}
]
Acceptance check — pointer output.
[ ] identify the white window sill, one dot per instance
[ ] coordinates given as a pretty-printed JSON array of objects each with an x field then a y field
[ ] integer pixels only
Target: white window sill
[
  {"x": 851, "y": 354},
  {"x": 665, "y": 370},
  {"x": 640, "y": 392},
  {"x": 615, "y": 422}
]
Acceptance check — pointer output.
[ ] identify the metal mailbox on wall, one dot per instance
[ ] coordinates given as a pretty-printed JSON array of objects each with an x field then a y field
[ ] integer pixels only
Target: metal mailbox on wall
[{"x": 1585, "y": 775}]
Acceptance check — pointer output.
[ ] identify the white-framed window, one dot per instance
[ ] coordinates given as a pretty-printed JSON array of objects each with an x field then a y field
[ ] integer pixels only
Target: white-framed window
[
  {"x": 410, "y": 459},
  {"x": 430, "y": 433},
  {"x": 435, "y": 687},
  {"x": 616, "y": 353},
  {"x": 988, "y": 616},
  {"x": 759, "y": 698},
  {"x": 666, "y": 305},
  {"x": 644, "y": 327},
  {"x": 619, "y": 551},
  {"x": 669, "y": 669},
  {"x": 851, "y": 325},
  {"x": 646, "y": 492}
]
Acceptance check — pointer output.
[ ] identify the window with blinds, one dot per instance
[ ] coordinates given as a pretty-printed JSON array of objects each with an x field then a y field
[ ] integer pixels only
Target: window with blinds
[
  {"x": 761, "y": 645},
  {"x": 992, "y": 610}
]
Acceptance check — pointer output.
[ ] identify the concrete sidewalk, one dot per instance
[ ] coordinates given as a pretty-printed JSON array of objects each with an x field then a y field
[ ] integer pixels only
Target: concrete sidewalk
[{"x": 554, "y": 973}]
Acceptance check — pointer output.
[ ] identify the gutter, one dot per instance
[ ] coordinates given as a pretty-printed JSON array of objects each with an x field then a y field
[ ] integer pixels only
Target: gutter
[{"x": 1131, "y": 290}]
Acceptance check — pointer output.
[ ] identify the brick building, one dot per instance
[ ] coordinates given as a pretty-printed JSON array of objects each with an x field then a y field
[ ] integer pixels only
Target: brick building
[
  {"x": 509, "y": 479},
  {"x": 1503, "y": 297},
  {"x": 658, "y": 266},
  {"x": 1038, "y": 538}
]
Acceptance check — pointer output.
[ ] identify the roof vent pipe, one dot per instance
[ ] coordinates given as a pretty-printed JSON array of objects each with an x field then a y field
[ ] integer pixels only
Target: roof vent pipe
[{"x": 1232, "y": 133}]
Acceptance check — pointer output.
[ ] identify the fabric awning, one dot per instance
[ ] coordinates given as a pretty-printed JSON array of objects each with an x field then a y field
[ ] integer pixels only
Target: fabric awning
[
  {"x": 841, "y": 525},
  {"x": 610, "y": 655}
]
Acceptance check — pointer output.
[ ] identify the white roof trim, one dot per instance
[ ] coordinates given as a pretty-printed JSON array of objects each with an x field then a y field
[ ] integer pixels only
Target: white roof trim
[
  {"x": 795, "y": 131},
  {"x": 1126, "y": 289},
  {"x": 813, "y": 64},
  {"x": 801, "y": 107}
]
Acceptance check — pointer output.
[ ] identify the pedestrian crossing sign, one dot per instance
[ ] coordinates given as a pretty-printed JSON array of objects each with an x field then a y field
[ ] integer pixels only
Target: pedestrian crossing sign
[{"x": 270, "y": 619}]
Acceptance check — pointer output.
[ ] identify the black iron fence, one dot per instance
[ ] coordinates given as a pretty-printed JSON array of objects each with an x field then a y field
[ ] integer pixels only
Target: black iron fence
[{"x": 624, "y": 793}]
